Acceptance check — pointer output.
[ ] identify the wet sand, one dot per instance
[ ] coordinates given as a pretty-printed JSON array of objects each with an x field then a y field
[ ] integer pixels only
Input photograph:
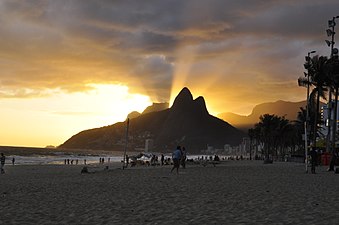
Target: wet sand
[{"x": 234, "y": 192}]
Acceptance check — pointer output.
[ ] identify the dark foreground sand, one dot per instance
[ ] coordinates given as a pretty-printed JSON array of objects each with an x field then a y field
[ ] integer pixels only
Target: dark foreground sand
[{"x": 246, "y": 192}]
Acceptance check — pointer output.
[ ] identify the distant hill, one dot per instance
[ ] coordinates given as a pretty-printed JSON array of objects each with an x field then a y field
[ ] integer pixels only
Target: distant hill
[
  {"x": 279, "y": 108},
  {"x": 186, "y": 123},
  {"x": 133, "y": 115},
  {"x": 155, "y": 107}
]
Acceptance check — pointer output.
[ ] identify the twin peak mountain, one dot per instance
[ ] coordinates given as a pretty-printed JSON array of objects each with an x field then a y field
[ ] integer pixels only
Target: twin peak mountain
[{"x": 186, "y": 123}]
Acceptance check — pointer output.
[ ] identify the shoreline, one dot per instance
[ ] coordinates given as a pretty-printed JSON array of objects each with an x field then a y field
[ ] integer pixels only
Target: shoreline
[{"x": 29, "y": 151}]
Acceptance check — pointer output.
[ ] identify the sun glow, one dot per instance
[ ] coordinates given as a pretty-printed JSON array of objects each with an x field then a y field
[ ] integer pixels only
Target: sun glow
[
  {"x": 53, "y": 119},
  {"x": 182, "y": 70},
  {"x": 200, "y": 82}
]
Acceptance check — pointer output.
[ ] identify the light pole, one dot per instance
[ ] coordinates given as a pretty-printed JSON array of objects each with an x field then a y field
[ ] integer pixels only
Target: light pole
[
  {"x": 125, "y": 163},
  {"x": 330, "y": 32},
  {"x": 308, "y": 59}
]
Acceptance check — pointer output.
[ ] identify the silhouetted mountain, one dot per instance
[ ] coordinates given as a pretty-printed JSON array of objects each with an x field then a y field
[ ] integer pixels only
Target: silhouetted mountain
[
  {"x": 186, "y": 123},
  {"x": 280, "y": 108},
  {"x": 133, "y": 115},
  {"x": 155, "y": 107}
]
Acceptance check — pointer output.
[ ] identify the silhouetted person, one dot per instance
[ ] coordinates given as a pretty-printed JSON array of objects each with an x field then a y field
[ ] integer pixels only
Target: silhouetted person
[
  {"x": 127, "y": 161},
  {"x": 153, "y": 160},
  {"x": 84, "y": 170},
  {"x": 183, "y": 157},
  {"x": 162, "y": 159},
  {"x": 2, "y": 163},
  {"x": 84, "y": 161},
  {"x": 176, "y": 157},
  {"x": 13, "y": 161},
  {"x": 313, "y": 154},
  {"x": 333, "y": 160}
]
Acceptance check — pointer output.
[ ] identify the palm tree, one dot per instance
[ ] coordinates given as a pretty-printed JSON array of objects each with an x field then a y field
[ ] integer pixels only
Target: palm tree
[
  {"x": 286, "y": 137},
  {"x": 324, "y": 75},
  {"x": 251, "y": 134},
  {"x": 333, "y": 74},
  {"x": 254, "y": 134},
  {"x": 265, "y": 127},
  {"x": 299, "y": 126},
  {"x": 274, "y": 133},
  {"x": 317, "y": 77}
]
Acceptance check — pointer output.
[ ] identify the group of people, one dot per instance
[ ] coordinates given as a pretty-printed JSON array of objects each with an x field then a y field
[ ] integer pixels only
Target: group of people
[
  {"x": 179, "y": 158},
  {"x": 72, "y": 161},
  {"x": 76, "y": 161},
  {"x": 2, "y": 162}
]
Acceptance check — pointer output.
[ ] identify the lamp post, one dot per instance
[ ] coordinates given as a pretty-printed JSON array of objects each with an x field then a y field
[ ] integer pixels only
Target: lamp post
[
  {"x": 308, "y": 59},
  {"x": 330, "y": 33},
  {"x": 125, "y": 163}
]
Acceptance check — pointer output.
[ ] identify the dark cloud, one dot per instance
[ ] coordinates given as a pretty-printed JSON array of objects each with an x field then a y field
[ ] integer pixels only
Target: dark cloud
[{"x": 67, "y": 44}]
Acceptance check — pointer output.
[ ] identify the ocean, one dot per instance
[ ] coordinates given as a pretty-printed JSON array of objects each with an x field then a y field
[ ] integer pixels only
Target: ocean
[
  {"x": 73, "y": 159},
  {"x": 59, "y": 159}
]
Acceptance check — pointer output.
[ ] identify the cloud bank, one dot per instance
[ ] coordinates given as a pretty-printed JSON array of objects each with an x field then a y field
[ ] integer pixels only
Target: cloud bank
[{"x": 228, "y": 51}]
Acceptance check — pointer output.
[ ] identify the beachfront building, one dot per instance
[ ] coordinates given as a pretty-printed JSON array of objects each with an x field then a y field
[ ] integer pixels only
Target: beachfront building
[
  {"x": 148, "y": 145},
  {"x": 325, "y": 117},
  {"x": 245, "y": 147},
  {"x": 228, "y": 149}
]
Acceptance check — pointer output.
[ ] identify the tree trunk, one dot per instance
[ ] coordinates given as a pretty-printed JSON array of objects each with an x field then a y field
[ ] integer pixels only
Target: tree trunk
[{"x": 315, "y": 128}]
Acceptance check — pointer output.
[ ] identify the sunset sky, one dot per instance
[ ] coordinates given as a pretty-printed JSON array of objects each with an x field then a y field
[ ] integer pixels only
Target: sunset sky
[{"x": 66, "y": 66}]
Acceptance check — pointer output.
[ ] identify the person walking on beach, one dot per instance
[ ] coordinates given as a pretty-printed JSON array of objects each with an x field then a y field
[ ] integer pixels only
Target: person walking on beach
[
  {"x": 162, "y": 159},
  {"x": 313, "y": 154},
  {"x": 2, "y": 163},
  {"x": 183, "y": 158},
  {"x": 127, "y": 161},
  {"x": 176, "y": 156},
  {"x": 13, "y": 161}
]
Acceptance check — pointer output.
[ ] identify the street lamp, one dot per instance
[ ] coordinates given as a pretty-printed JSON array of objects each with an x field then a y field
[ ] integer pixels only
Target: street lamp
[
  {"x": 330, "y": 33},
  {"x": 307, "y": 67}
]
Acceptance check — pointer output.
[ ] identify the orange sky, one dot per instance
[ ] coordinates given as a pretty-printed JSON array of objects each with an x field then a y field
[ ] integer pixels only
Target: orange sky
[{"x": 67, "y": 66}]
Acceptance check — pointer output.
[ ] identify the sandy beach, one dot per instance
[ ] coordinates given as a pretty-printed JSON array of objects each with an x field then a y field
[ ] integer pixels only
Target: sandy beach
[{"x": 234, "y": 192}]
